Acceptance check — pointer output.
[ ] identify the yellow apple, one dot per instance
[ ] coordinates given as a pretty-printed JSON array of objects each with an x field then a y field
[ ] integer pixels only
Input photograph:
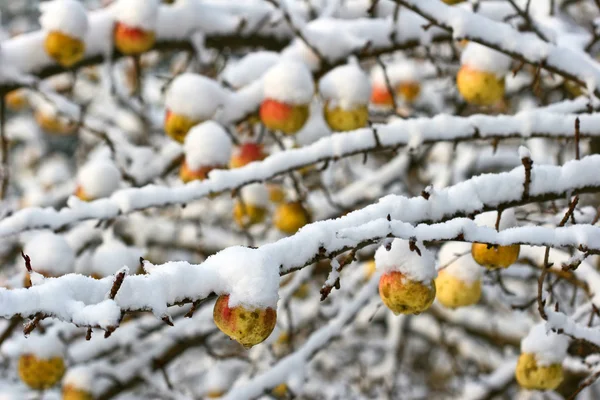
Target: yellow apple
[
  {"x": 131, "y": 40},
  {"x": 248, "y": 214},
  {"x": 452, "y": 292},
  {"x": 340, "y": 120},
  {"x": 289, "y": 217},
  {"x": 405, "y": 296},
  {"x": 494, "y": 257},
  {"x": 177, "y": 126},
  {"x": 70, "y": 392},
  {"x": 246, "y": 326},
  {"x": 39, "y": 373},
  {"x": 64, "y": 49},
  {"x": 283, "y": 117},
  {"x": 531, "y": 376},
  {"x": 480, "y": 88}
]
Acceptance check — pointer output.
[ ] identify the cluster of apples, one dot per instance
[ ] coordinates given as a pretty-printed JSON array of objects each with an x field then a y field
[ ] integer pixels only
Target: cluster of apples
[{"x": 458, "y": 283}]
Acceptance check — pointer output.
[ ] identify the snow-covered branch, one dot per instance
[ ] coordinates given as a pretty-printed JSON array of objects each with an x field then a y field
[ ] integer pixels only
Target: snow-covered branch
[{"x": 411, "y": 133}]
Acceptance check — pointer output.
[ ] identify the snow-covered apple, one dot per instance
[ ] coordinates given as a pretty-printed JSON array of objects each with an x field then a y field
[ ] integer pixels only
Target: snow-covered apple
[
  {"x": 207, "y": 146},
  {"x": 252, "y": 208},
  {"x": 288, "y": 89},
  {"x": 407, "y": 284},
  {"x": 346, "y": 106},
  {"x": 480, "y": 79},
  {"x": 190, "y": 100},
  {"x": 134, "y": 31},
  {"x": 247, "y": 326},
  {"x": 458, "y": 283},
  {"x": 77, "y": 384},
  {"x": 66, "y": 25},
  {"x": 97, "y": 179},
  {"x": 540, "y": 364},
  {"x": 493, "y": 256},
  {"x": 51, "y": 254}
]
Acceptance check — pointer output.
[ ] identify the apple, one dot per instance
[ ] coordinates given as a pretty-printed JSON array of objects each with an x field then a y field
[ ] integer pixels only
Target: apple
[
  {"x": 532, "y": 376},
  {"x": 246, "y": 326},
  {"x": 53, "y": 124},
  {"x": 247, "y": 153},
  {"x": 187, "y": 175},
  {"x": 370, "y": 268},
  {"x": 280, "y": 391},
  {"x": 480, "y": 88},
  {"x": 405, "y": 296},
  {"x": 132, "y": 40},
  {"x": 177, "y": 126},
  {"x": 341, "y": 120},
  {"x": 276, "y": 193},
  {"x": 64, "y": 49},
  {"x": 248, "y": 214},
  {"x": 452, "y": 2},
  {"x": 70, "y": 392},
  {"x": 39, "y": 373},
  {"x": 290, "y": 216},
  {"x": 494, "y": 256},
  {"x": 409, "y": 90},
  {"x": 381, "y": 96},
  {"x": 16, "y": 100},
  {"x": 283, "y": 117},
  {"x": 452, "y": 292}
]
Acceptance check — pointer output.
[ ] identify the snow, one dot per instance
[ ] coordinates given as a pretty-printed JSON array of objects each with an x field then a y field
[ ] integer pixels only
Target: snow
[
  {"x": 113, "y": 255},
  {"x": 256, "y": 194},
  {"x": 336, "y": 88},
  {"x": 420, "y": 268},
  {"x": 482, "y": 58},
  {"x": 99, "y": 178},
  {"x": 66, "y": 16},
  {"x": 80, "y": 377},
  {"x": 488, "y": 219},
  {"x": 289, "y": 82},
  {"x": 50, "y": 253},
  {"x": 54, "y": 171},
  {"x": 41, "y": 346},
  {"x": 400, "y": 71},
  {"x": 137, "y": 13},
  {"x": 195, "y": 96},
  {"x": 524, "y": 152},
  {"x": 249, "y": 68},
  {"x": 549, "y": 347},
  {"x": 457, "y": 261},
  {"x": 207, "y": 144}
]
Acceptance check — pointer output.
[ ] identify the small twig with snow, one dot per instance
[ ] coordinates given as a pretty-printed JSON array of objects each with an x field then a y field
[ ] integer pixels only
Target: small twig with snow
[{"x": 333, "y": 281}]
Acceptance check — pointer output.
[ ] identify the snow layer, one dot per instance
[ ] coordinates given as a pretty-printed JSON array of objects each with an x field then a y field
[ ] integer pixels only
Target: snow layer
[
  {"x": 54, "y": 171},
  {"x": 137, "y": 13},
  {"x": 66, "y": 16},
  {"x": 346, "y": 86},
  {"x": 42, "y": 346},
  {"x": 113, "y": 255},
  {"x": 80, "y": 377},
  {"x": 457, "y": 261},
  {"x": 397, "y": 72},
  {"x": 249, "y": 68},
  {"x": 207, "y": 144},
  {"x": 289, "y": 82},
  {"x": 507, "y": 219},
  {"x": 483, "y": 58},
  {"x": 194, "y": 96},
  {"x": 400, "y": 258},
  {"x": 50, "y": 253},
  {"x": 256, "y": 194},
  {"x": 548, "y": 346},
  {"x": 99, "y": 178}
]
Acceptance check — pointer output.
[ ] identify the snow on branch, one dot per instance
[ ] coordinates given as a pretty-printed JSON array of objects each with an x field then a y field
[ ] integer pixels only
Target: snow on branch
[
  {"x": 227, "y": 24},
  {"x": 568, "y": 62},
  {"x": 412, "y": 133},
  {"x": 82, "y": 300}
]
